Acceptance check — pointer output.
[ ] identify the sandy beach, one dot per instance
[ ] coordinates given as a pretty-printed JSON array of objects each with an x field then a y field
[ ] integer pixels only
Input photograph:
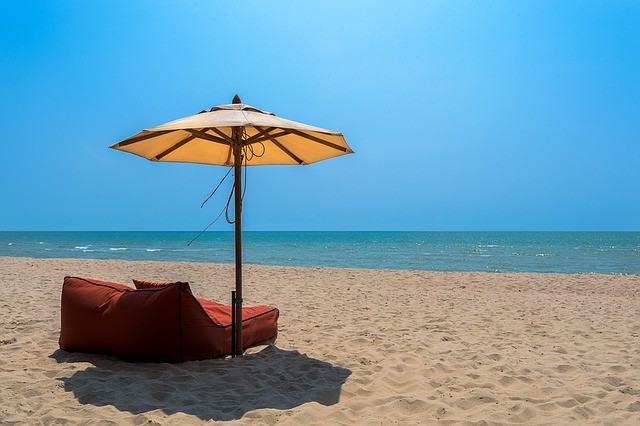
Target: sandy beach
[{"x": 354, "y": 347}]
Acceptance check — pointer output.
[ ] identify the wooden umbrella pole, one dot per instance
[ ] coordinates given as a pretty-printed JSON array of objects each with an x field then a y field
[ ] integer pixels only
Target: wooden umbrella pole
[
  {"x": 238, "y": 220},
  {"x": 237, "y": 170}
]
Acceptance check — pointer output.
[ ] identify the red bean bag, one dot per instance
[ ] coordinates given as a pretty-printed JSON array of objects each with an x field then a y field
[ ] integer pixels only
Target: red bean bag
[{"x": 163, "y": 324}]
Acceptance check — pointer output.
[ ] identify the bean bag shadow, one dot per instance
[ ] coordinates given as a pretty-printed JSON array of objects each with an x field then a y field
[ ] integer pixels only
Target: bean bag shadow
[{"x": 165, "y": 324}]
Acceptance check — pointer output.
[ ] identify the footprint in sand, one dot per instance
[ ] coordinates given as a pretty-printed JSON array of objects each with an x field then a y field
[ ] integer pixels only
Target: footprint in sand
[{"x": 564, "y": 368}]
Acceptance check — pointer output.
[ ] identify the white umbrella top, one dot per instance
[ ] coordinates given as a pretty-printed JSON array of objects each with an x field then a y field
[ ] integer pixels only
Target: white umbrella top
[{"x": 207, "y": 138}]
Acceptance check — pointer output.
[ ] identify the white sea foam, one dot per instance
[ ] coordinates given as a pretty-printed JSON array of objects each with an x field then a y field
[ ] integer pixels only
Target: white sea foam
[
  {"x": 154, "y": 249},
  {"x": 82, "y": 247},
  {"x": 10, "y": 244},
  {"x": 88, "y": 251},
  {"x": 118, "y": 248},
  {"x": 40, "y": 242}
]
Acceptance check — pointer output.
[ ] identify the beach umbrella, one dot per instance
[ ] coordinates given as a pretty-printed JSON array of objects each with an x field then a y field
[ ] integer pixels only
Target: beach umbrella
[{"x": 236, "y": 135}]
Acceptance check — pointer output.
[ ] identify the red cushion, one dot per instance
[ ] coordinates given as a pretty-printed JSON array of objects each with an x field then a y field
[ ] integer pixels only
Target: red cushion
[
  {"x": 165, "y": 324},
  {"x": 221, "y": 314},
  {"x": 142, "y": 284}
]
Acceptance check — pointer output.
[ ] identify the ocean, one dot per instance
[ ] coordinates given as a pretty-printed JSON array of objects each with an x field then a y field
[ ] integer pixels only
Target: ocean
[{"x": 558, "y": 252}]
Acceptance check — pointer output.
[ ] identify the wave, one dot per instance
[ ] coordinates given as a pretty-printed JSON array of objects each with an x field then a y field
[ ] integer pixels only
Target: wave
[
  {"x": 118, "y": 248},
  {"x": 154, "y": 250},
  {"x": 82, "y": 247}
]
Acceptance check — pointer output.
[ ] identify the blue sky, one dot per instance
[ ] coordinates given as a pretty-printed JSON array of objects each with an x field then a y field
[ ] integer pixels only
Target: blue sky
[{"x": 463, "y": 115}]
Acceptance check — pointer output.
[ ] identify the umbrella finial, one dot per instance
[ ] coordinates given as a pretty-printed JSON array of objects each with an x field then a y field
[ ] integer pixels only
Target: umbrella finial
[{"x": 236, "y": 100}]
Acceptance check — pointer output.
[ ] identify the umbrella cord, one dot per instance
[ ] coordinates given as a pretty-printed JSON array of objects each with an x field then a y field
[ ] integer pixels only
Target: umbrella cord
[
  {"x": 244, "y": 190},
  {"x": 248, "y": 154},
  {"x": 224, "y": 209},
  {"x": 214, "y": 191}
]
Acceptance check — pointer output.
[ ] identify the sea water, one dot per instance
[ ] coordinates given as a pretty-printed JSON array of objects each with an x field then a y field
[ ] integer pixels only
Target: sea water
[{"x": 561, "y": 252}]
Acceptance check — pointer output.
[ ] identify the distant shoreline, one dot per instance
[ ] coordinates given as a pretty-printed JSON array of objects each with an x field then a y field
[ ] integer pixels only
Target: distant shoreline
[{"x": 332, "y": 268}]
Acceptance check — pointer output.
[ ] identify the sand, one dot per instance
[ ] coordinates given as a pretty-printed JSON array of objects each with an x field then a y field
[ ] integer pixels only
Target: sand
[{"x": 354, "y": 347}]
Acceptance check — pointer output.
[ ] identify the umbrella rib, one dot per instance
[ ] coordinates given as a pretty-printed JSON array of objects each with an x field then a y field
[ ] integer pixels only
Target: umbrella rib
[
  {"x": 257, "y": 136},
  {"x": 316, "y": 139},
  {"x": 173, "y": 148},
  {"x": 268, "y": 137},
  {"x": 146, "y": 135},
  {"x": 207, "y": 136},
  {"x": 228, "y": 162},
  {"x": 286, "y": 151},
  {"x": 222, "y": 135}
]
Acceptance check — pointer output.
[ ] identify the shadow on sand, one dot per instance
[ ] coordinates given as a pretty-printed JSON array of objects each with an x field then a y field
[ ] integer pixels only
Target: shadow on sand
[{"x": 220, "y": 389}]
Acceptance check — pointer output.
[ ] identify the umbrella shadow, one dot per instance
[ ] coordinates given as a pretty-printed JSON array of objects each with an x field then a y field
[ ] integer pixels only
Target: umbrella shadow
[{"x": 219, "y": 389}]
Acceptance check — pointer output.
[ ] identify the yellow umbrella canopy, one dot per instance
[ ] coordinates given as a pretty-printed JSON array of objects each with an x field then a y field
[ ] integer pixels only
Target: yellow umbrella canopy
[
  {"x": 207, "y": 138},
  {"x": 236, "y": 135}
]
